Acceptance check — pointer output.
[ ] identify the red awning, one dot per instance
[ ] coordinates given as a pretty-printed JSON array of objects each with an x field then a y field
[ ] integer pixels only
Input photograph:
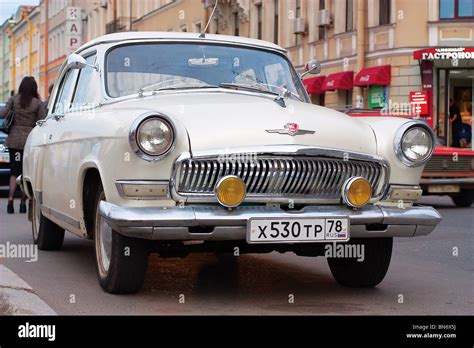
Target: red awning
[
  {"x": 342, "y": 80},
  {"x": 314, "y": 85},
  {"x": 378, "y": 75}
]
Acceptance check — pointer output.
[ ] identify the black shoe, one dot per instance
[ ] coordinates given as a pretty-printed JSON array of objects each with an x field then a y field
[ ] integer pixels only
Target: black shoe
[
  {"x": 22, "y": 208},
  {"x": 10, "y": 209}
]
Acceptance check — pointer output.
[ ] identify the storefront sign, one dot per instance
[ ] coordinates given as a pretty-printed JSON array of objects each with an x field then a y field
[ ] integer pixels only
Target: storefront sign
[
  {"x": 419, "y": 103},
  {"x": 376, "y": 96},
  {"x": 445, "y": 53},
  {"x": 426, "y": 67},
  {"x": 73, "y": 28}
]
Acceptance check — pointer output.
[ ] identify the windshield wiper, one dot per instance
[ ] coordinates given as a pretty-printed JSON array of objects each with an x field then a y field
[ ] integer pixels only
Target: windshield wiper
[
  {"x": 182, "y": 85},
  {"x": 260, "y": 87},
  {"x": 243, "y": 86}
]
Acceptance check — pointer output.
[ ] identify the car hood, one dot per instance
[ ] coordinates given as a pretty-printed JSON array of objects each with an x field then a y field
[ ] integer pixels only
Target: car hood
[{"x": 223, "y": 119}]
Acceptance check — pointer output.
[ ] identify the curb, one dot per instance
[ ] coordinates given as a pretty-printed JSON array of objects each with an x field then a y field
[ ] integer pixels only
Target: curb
[{"x": 18, "y": 298}]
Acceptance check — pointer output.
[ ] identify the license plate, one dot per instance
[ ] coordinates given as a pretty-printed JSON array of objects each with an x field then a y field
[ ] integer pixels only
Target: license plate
[
  {"x": 443, "y": 188},
  {"x": 305, "y": 230},
  {"x": 4, "y": 158}
]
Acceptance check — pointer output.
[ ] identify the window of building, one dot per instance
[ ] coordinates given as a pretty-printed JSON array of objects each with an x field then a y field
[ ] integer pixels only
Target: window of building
[
  {"x": 456, "y": 9},
  {"x": 349, "y": 15},
  {"x": 197, "y": 27},
  {"x": 298, "y": 15},
  {"x": 321, "y": 29},
  {"x": 384, "y": 12},
  {"x": 259, "y": 21},
  {"x": 236, "y": 24},
  {"x": 344, "y": 98},
  {"x": 276, "y": 21},
  {"x": 349, "y": 98}
]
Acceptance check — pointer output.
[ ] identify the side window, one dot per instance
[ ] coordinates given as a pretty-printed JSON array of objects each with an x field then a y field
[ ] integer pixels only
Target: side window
[
  {"x": 88, "y": 86},
  {"x": 63, "y": 99}
]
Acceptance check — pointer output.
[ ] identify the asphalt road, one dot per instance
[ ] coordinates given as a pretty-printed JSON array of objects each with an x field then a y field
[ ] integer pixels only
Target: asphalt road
[{"x": 424, "y": 277}]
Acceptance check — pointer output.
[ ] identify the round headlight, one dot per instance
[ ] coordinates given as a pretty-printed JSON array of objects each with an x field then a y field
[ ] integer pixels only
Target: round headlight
[
  {"x": 356, "y": 192},
  {"x": 414, "y": 144},
  {"x": 152, "y": 137},
  {"x": 230, "y": 191}
]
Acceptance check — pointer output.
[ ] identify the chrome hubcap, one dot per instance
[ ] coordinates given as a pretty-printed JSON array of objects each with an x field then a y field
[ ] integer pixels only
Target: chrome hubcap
[{"x": 103, "y": 240}]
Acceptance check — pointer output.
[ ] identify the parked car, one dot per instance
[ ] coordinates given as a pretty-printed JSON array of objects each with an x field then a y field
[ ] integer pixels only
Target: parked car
[
  {"x": 4, "y": 155},
  {"x": 450, "y": 172},
  {"x": 176, "y": 143}
]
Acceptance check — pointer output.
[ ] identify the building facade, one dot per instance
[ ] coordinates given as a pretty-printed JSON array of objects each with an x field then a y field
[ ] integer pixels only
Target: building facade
[
  {"x": 399, "y": 55},
  {"x": 374, "y": 53},
  {"x": 20, "y": 37}
]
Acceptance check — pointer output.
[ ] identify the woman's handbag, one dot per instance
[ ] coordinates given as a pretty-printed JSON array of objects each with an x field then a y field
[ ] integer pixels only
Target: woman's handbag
[{"x": 8, "y": 122}]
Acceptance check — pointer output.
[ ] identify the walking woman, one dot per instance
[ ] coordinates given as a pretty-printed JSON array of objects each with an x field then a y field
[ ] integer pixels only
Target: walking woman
[{"x": 28, "y": 109}]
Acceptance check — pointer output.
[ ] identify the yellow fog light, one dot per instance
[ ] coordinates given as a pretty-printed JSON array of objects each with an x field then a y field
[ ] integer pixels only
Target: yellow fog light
[
  {"x": 230, "y": 191},
  {"x": 356, "y": 192}
]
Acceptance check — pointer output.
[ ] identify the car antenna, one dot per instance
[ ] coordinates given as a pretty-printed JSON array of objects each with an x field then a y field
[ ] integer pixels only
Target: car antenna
[{"x": 203, "y": 34}]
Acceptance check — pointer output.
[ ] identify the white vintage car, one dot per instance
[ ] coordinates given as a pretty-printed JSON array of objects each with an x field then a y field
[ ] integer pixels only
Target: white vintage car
[{"x": 177, "y": 142}]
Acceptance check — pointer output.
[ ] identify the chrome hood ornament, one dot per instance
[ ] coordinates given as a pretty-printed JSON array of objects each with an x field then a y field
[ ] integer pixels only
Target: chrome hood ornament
[{"x": 290, "y": 129}]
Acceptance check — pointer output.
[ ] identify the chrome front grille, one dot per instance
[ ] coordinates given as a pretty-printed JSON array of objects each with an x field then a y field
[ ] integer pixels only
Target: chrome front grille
[
  {"x": 449, "y": 163},
  {"x": 273, "y": 177}
]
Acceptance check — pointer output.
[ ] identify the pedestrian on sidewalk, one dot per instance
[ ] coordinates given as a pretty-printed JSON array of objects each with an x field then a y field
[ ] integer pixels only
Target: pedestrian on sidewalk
[{"x": 28, "y": 109}]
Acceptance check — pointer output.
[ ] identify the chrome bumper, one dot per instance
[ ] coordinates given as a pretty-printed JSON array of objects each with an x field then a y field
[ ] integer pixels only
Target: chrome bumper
[{"x": 173, "y": 223}]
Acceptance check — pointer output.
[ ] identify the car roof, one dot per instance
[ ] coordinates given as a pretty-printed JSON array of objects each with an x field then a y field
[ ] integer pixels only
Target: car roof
[{"x": 171, "y": 35}]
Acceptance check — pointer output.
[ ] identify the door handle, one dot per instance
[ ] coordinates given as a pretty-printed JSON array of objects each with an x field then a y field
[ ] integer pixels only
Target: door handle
[{"x": 39, "y": 123}]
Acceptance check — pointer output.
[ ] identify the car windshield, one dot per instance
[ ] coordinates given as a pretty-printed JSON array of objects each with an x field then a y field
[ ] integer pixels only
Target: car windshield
[{"x": 160, "y": 66}]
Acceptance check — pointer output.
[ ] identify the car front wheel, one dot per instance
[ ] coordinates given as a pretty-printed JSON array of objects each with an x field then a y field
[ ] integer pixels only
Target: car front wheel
[
  {"x": 464, "y": 199},
  {"x": 46, "y": 234},
  {"x": 121, "y": 261},
  {"x": 366, "y": 271}
]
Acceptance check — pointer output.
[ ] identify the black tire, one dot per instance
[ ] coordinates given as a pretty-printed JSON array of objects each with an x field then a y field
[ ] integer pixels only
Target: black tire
[
  {"x": 128, "y": 258},
  {"x": 464, "y": 199},
  {"x": 369, "y": 272},
  {"x": 46, "y": 234}
]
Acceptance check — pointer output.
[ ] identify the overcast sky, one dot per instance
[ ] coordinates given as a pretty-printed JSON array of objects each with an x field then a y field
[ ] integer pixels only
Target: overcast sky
[{"x": 9, "y": 7}]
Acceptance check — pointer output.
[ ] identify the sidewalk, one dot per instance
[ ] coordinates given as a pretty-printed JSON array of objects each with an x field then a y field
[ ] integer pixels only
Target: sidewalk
[{"x": 18, "y": 298}]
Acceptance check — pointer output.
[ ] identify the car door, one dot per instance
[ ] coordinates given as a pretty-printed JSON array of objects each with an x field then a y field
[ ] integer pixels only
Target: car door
[
  {"x": 55, "y": 197},
  {"x": 75, "y": 132}
]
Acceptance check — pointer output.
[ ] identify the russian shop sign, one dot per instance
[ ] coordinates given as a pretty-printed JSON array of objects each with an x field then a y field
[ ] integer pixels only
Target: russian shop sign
[
  {"x": 73, "y": 28},
  {"x": 376, "y": 96},
  {"x": 419, "y": 102},
  {"x": 444, "y": 53}
]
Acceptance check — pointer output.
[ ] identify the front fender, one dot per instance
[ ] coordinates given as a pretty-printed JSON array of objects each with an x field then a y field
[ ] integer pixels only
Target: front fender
[{"x": 385, "y": 129}]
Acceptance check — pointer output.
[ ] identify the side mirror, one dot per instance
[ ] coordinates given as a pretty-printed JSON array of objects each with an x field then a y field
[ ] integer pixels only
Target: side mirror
[
  {"x": 75, "y": 61},
  {"x": 312, "y": 67}
]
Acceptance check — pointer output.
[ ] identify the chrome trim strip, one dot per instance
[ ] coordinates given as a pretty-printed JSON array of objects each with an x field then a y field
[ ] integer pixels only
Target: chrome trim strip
[
  {"x": 58, "y": 215},
  {"x": 415, "y": 189},
  {"x": 119, "y": 185},
  {"x": 275, "y": 151},
  {"x": 134, "y": 221}
]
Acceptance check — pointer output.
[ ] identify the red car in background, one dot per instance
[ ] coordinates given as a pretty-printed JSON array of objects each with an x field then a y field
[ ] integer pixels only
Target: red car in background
[{"x": 449, "y": 172}]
